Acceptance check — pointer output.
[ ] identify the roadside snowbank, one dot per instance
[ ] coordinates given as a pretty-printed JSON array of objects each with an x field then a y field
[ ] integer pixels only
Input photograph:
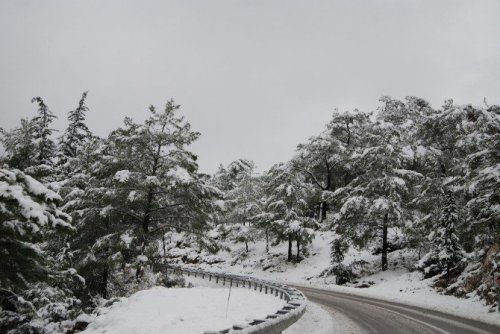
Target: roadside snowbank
[
  {"x": 317, "y": 320},
  {"x": 194, "y": 310}
]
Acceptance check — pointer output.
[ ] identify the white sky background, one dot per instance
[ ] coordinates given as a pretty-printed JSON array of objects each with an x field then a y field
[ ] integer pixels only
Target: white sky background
[{"x": 254, "y": 77}]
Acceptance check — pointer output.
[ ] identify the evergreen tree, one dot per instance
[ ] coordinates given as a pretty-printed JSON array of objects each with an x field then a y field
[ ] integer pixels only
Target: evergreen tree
[
  {"x": 287, "y": 207},
  {"x": 241, "y": 199},
  {"x": 376, "y": 200},
  {"x": 145, "y": 184},
  {"x": 324, "y": 159},
  {"x": 77, "y": 132},
  {"x": 342, "y": 272},
  {"x": 446, "y": 250},
  {"x": 35, "y": 285},
  {"x": 29, "y": 213},
  {"x": 43, "y": 132},
  {"x": 481, "y": 180},
  {"x": 19, "y": 144}
]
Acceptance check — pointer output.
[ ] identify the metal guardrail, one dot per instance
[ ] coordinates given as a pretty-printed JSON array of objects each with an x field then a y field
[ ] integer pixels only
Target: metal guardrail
[{"x": 272, "y": 323}]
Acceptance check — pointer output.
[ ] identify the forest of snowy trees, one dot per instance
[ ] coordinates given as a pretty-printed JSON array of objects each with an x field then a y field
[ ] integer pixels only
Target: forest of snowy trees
[{"x": 85, "y": 218}]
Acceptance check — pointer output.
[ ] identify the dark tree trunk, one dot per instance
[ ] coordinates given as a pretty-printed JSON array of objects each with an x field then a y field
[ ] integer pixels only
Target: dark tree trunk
[
  {"x": 290, "y": 247},
  {"x": 104, "y": 287},
  {"x": 267, "y": 241},
  {"x": 324, "y": 209},
  {"x": 384, "y": 243},
  {"x": 246, "y": 245},
  {"x": 164, "y": 249},
  {"x": 298, "y": 248}
]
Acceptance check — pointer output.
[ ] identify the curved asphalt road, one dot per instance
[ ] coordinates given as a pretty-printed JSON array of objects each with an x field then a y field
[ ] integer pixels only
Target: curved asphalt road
[{"x": 376, "y": 316}]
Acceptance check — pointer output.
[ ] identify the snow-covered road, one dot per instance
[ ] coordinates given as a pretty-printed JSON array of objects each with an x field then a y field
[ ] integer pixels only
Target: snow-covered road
[{"x": 368, "y": 315}]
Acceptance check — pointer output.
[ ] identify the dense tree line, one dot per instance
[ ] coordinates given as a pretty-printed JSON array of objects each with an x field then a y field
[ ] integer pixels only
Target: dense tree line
[
  {"x": 84, "y": 216},
  {"x": 428, "y": 176}
]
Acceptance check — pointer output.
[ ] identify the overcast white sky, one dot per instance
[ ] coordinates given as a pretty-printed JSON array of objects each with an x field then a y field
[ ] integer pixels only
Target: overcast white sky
[{"x": 254, "y": 77}]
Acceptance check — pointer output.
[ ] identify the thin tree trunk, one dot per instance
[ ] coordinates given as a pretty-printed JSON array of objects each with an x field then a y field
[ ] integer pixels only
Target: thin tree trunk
[
  {"x": 289, "y": 247},
  {"x": 104, "y": 287},
  {"x": 246, "y": 245},
  {"x": 324, "y": 209},
  {"x": 164, "y": 249},
  {"x": 267, "y": 241},
  {"x": 298, "y": 248},
  {"x": 384, "y": 244}
]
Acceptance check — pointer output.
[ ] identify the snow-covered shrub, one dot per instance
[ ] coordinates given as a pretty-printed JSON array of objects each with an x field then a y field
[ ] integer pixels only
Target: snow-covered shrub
[{"x": 343, "y": 274}]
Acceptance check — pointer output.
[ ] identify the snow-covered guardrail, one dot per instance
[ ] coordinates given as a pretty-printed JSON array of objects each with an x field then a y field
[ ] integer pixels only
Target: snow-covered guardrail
[{"x": 272, "y": 323}]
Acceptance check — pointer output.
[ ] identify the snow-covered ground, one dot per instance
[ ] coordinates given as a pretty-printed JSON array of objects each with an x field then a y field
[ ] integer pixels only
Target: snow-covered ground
[
  {"x": 203, "y": 307},
  {"x": 183, "y": 310},
  {"x": 397, "y": 284}
]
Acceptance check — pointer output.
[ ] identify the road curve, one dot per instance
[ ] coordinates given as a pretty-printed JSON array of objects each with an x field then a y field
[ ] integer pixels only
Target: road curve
[{"x": 377, "y": 316}]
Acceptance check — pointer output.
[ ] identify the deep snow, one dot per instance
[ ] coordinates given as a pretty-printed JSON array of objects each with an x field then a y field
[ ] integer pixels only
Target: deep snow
[{"x": 182, "y": 311}]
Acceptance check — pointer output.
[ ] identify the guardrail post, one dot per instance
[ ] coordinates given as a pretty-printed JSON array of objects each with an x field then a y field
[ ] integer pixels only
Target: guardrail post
[
  {"x": 217, "y": 279},
  {"x": 236, "y": 283},
  {"x": 260, "y": 288},
  {"x": 230, "y": 282},
  {"x": 209, "y": 277},
  {"x": 255, "y": 286},
  {"x": 266, "y": 289},
  {"x": 224, "y": 280}
]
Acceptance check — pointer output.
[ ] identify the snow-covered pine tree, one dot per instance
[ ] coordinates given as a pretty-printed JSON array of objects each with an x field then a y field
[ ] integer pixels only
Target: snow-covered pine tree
[
  {"x": 446, "y": 251},
  {"x": 30, "y": 278},
  {"x": 287, "y": 204},
  {"x": 241, "y": 199},
  {"x": 375, "y": 201},
  {"x": 421, "y": 156},
  {"x": 19, "y": 145},
  {"x": 481, "y": 142},
  {"x": 145, "y": 185},
  {"x": 323, "y": 159},
  {"x": 29, "y": 211},
  {"x": 43, "y": 132},
  {"x": 73, "y": 140}
]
